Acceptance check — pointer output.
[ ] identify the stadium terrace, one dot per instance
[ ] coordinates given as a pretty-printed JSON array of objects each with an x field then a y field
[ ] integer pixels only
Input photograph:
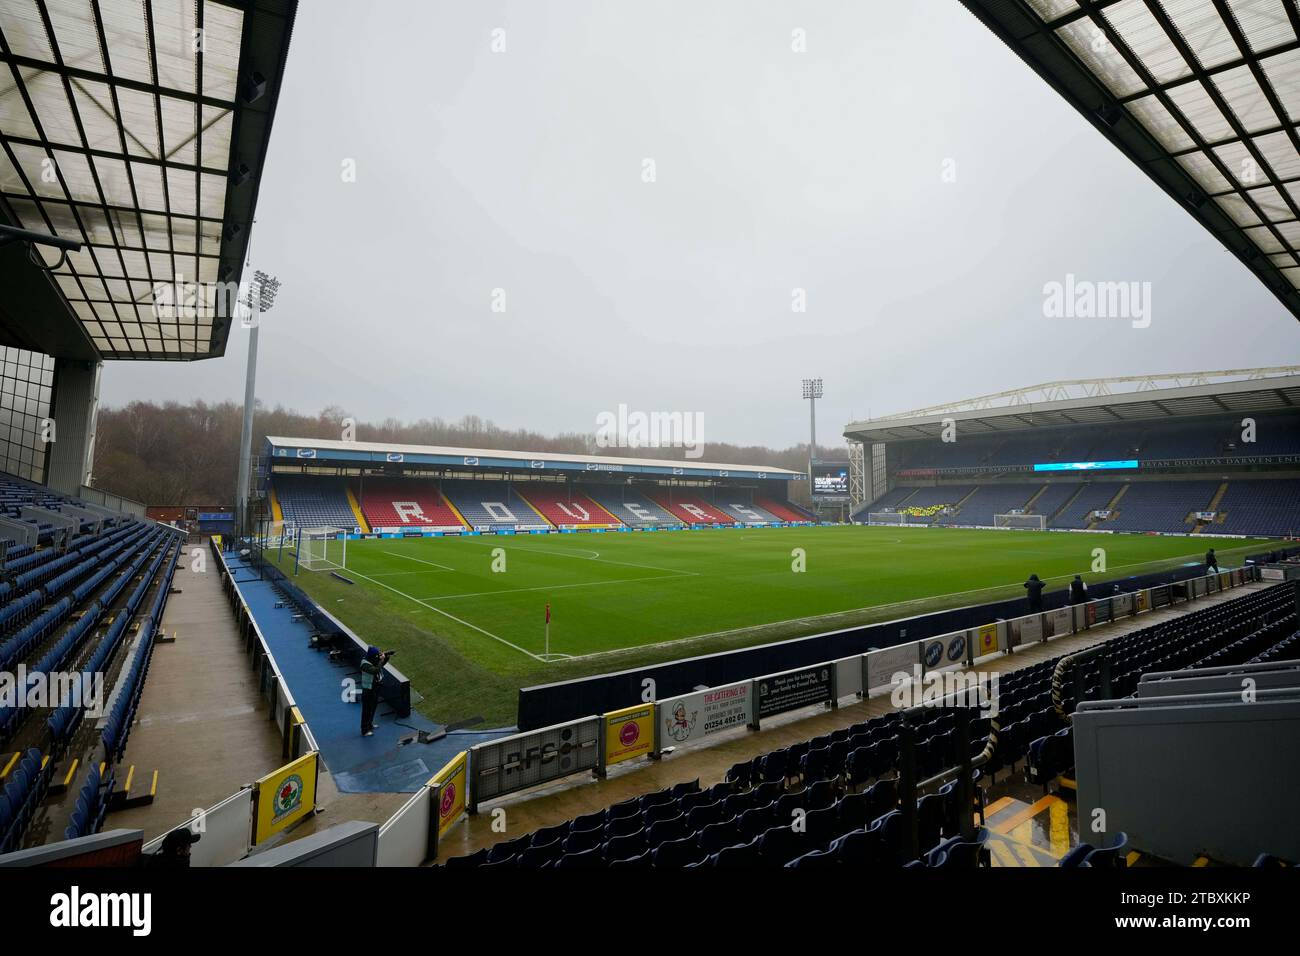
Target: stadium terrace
[
  {"x": 1205, "y": 453},
  {"x": 366, "y": 488}
]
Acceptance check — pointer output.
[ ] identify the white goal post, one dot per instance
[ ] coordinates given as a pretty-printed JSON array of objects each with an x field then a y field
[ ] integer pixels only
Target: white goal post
[
  {"x": 1028, "y": 522},
  {"x": 322, "y": 549},
  {"x": 886, "y": 517}
]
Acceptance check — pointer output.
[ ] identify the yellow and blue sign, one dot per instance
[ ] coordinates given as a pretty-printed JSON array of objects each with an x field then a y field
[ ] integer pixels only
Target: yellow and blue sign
[{"x": 284, "y": 796}]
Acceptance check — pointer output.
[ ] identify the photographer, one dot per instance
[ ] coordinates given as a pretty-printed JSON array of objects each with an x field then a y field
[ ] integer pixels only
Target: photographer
[{"x": 372, "y": 675}]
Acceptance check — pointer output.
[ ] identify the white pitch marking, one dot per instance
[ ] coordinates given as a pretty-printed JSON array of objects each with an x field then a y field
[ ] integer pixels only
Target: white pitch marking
[
  {"x": 625, "y": 564},
  {"x": 398, "y": 554},
  {"x": 552, "y": 587},
  {"x": 869, "y": 607},
  {"x": 474, "y": 627}
]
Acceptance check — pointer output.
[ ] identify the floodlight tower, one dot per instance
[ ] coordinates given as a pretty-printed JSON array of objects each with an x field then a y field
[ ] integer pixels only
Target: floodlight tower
[
  {"x": 258, "y": 299},
  {"x": 812, "y": 390}
]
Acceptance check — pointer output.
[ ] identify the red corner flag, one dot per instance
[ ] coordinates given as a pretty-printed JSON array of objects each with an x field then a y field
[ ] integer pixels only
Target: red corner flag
[{"x": 548, "y": 614}]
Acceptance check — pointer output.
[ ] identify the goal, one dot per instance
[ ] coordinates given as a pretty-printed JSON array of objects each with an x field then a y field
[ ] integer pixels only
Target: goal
[
  {"x": 1028, "y": 522},
  {"x": 886, "y": 517},
  {"x": 322, "y": 549}
]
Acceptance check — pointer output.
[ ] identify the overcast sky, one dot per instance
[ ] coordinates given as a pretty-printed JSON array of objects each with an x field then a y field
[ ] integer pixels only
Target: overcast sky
[{"x": 774, "y": 170}]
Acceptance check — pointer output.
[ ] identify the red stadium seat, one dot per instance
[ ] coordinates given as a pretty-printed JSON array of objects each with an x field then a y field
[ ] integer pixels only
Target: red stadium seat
[
  {"x": 689, "y": 508},
  {"x": 782, "y": 510},
  {"x": 399, "y": 503},
  {"x": 564, "y": 508}
]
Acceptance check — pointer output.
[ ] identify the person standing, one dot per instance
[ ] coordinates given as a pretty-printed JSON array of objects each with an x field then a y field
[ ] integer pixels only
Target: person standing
[
  {"x": 1034, "y": 591},
  {"x": 372, "y": 675},
  {"x": 1078, "y": 590},
  {"x": 1211, "y": 562},
  {"x": 174, "y": 852}
]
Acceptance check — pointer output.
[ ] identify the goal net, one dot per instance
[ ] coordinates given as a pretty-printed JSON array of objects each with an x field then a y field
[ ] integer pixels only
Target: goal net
[
  {"x": 886, "y": 517},
  {"x": 322, "y": 549},
  {"x": 1030, "y": 522}
]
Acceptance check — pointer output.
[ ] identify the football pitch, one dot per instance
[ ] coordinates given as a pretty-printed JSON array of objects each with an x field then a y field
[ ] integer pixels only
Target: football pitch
[{"x": 468, "y": 615}]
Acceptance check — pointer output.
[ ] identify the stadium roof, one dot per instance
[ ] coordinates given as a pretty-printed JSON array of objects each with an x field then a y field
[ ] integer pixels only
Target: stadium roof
[
  {"x": 1204, "y": 95},
  {"x": 1093, "y": 401},
  {"x": 362, "y": 452},
  {"x": 140, "y": 130}
]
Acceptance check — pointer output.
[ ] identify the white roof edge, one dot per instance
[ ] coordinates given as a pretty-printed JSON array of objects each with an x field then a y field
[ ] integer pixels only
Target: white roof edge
[
  {"x": 334, "y": 444},
  {"x": 1027, "y": 408}
]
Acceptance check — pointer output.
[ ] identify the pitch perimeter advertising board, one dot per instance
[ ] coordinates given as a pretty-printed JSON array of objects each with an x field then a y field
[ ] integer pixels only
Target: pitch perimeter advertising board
[
  {"x": 629, "y": 733},
  {"x": 706, "y": 712}
]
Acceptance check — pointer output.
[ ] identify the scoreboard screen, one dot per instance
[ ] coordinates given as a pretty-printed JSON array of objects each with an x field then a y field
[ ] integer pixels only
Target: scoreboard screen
[{"x": 830, "y": 479}]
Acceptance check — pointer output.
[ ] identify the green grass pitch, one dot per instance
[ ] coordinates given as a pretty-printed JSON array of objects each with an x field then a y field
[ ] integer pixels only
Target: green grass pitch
[{"x": 468, "y": 614}]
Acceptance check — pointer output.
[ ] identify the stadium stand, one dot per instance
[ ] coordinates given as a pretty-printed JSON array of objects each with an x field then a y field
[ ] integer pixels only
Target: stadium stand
[
  {"x": 631, "y": 507},
  {"x": 738, "y": 506},
  {"x": 961, "y": 454},
  {"x": 1263, "y": 625},
  {"x": 312, "y": 501},
  {"x": 1093, "y": 496},
  {"x": 1053, "y": 498},
  {"x": 69, "y": 612},
  {"x": 563, "y": 507},
  {"x": 848, "y": 783},
  {"x": 1275, "y": 434},
  {"x": 783, "y": 510},
  {"x": 843, "y": 787},
  {"x": 1027, "y": 450},
  {"x": 1178, "y": 440},
  {"x": 889, "y": 501},
  {"x": 689, "y": 508},
  {"x": 395, "y": 503},
  {"x": 930, "y": 497},
  {"x": 1260, "y": 506},
  {"x": 400, "y": 503},
  {"x": 1161, "y": 505},
  {"x": 491, "y": 504},
  {"x": 989, "y": 500},
  {"x": 105, "y": 749},
  {"x": 1248, "y": 506}
]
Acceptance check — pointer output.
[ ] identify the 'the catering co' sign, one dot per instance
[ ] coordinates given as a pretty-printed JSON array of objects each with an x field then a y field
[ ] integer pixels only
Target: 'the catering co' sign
[
  {"x": 778, "y": 693},
  {"x": 706, "y": 712}
]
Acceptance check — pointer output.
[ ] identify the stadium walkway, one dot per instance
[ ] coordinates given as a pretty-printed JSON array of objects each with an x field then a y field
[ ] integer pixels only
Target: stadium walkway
[
  {"x": 202, "y": 723},
  {"x": 547, "y": 806}
]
